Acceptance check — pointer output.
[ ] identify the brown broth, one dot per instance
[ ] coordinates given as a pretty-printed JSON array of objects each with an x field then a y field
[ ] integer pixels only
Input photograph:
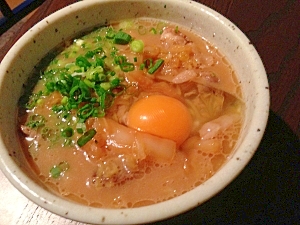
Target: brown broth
[{"x": 108, "y": 175}]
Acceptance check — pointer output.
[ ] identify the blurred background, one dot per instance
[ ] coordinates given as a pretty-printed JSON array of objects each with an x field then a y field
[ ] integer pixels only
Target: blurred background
[{"x": 13, "y": 14}]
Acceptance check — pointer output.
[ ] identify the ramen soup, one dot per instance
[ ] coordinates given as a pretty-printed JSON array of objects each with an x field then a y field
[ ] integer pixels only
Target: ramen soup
[{"x": 131, "y": 114}]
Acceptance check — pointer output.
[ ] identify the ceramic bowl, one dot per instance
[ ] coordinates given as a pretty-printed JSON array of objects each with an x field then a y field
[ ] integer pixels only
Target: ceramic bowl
[{"x": 19, "y": 62}]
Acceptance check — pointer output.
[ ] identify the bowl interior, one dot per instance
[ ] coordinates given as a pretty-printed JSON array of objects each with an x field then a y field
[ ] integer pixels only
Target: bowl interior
[{"x": 18, "y": 64}]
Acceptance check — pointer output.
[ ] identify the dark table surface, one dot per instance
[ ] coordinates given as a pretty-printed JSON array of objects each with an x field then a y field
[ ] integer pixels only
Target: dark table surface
[{"x": 267, "y": 192}]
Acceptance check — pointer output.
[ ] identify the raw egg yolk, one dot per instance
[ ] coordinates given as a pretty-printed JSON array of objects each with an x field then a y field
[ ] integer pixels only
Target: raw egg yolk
[{"x": 162, "y": 116}]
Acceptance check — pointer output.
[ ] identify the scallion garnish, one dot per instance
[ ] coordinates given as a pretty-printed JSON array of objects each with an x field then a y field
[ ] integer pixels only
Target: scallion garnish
[
  {"x": 80, "y": 127},
  {"x": 122, "y": 38},
  {"x": 153, "y": 30},
  {"x": 110, "y": 33},
  {"x": 90, "y": 54},
  {"x": 67, "y": 132},
  {"x": 88, "y": 80},
  {"x": 120, "y": 59},
  {"x": 156, "y": 66},
  {"x": 35, "y": 121},
  {"x": 115, "y": 82},
  {"x": 126, "y": 67},
  {"x": 123, "y": 63},
  {"x": 142, "y": 66},
  {"x": 57, "y": 170},
  {"x": 83, "y": 62},
  {"x": 86, "y": 137},
  {"x": 33, "y": 100},
  {"x": 89, "y": 83},
  {"x": 137, "y": 46},
  {"x": 85, "y": 112}
]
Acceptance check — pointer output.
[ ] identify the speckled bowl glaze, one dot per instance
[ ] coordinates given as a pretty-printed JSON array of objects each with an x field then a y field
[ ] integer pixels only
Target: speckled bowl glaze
[{"x": 18, "y": 64}]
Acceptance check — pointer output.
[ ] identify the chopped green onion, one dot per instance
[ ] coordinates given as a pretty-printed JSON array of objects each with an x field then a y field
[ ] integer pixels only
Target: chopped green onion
[
  {"x": 103, "y": 100},
  {"x": 39, "y": 101},
  {"x": 126, "y": 67},
  {"x": 80, "y": 127},
  {"x": 65, "y": 115},
  {"x": 95, "y": 74},
  {"x": 36, "y": 121},
  {"x": 156, "y": 66},
  {"x": 50, "y": 86},
  {"x": 57, "y": 170},
  {"x": 137, "y": 46},
  {"x": 33, "y": 100},
  {"x": 122, "y": 38},
  {"x": 64, "y": 100},
  {"x": 85, "y": 111},
  {"x": 89, "y": 83},
  {"x": 86, "y": 137},
  {"x": 110, "y": 34},
  {"x": 142, "y": 66},
  {"x": 68, "y": 142},
  {"x": 81, "y": 61},
  {"x": 90, "y": 54},
  {"x": 153, "y": 30},
  {"x": 105, "y": 85},
  {"x": 115, "y": 82},
  {"x": 120, "y": 59},
  {"x": 57, "y": 108},
  {"x": 67, "y": 132},
  {"x": 100, "y": 61}
]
